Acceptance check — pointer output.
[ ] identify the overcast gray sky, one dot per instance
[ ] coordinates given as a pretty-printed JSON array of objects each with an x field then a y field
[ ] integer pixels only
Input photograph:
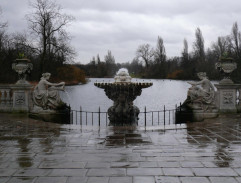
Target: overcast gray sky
[{"x": 122, "y": 25}]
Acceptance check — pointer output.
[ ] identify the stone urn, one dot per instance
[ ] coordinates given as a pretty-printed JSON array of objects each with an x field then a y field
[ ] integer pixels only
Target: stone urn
[
  {"x": 22, "y": 67},
  {"x": 226, "y": 66}
]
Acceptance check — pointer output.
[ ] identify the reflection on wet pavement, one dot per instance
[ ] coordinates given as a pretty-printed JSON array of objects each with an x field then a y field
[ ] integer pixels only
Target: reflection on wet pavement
[{"x": 34, "y": 151}]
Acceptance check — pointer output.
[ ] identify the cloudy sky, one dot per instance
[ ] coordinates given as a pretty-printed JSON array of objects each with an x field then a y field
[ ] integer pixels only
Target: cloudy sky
[{"x": 122, "y": 25}]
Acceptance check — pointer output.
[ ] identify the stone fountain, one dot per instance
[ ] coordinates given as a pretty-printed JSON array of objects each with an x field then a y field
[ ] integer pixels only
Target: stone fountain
[{"x": 123, "y": 92}]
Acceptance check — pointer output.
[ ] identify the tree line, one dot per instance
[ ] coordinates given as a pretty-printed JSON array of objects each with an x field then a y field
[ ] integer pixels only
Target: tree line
[
  {"x": 152, "y": 62},
  {"x": 46, "y": 44}
]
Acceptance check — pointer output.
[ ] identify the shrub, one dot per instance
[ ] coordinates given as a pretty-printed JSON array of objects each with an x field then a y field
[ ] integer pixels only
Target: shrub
[{"x": 71, "y": 74}]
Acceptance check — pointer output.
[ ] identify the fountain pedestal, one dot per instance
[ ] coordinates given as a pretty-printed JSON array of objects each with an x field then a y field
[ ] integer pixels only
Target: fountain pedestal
[{"x": 123, "y": 92}]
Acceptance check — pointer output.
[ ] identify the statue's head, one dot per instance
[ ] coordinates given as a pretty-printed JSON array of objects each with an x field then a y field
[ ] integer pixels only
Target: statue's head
[
  {"x": 202, "y": 75},
  {"x": 46, "y": 75}
]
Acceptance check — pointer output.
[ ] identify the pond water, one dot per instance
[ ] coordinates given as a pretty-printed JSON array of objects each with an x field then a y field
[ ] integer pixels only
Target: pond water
[{"x": 162, "y": 92}]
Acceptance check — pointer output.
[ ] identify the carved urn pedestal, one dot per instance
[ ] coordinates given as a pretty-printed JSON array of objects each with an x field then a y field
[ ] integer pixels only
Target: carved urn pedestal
[
  {"x": 227, "y": 97},
  {"x": 21, "y": 91},
  {"x": 226, "y": 89},
  {"x": 21, "y": 94}
]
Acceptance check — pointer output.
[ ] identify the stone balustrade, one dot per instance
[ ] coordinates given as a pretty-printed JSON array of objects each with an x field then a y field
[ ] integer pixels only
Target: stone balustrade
[
  {"x": 6, "y": 102},
  {"x": 15, "y": 98}
]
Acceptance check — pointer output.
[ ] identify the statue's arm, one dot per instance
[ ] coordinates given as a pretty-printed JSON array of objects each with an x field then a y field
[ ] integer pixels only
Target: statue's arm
[
  {"x": 195, "y": 83},
  {"x": 211, "y": 85},
  {"x": 55, "y": 84}
]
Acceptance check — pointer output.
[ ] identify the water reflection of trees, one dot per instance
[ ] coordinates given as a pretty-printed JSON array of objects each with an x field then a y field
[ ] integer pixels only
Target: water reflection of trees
[
  {"x": 32, "y": 137},
  {"x": 213, "y": 139}
]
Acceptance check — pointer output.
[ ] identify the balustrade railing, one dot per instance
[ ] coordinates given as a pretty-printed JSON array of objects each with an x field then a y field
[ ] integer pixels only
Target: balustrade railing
[{"x": 6, "y": 100}]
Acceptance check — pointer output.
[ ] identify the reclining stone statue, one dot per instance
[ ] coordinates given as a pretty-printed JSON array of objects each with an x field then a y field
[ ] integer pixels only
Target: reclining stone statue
[
  {"x": 46, "y": 95},
  {"x": 203, "y": 96},
  {"x": 200, "y": 102}
]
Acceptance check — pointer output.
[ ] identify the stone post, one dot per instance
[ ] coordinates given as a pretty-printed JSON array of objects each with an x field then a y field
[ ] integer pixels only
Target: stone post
[{"x": 227, "y": 97}]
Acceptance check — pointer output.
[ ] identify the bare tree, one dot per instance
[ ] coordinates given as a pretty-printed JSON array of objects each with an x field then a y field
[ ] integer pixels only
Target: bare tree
[
  {"x": 2, "y": 24},
  {"x": 221, "y": 46},
  {"x": 198, "y": 45},
  {"x": 3, "y": 35},
  {"x": 109, "y": 58},
  {"x": 185, "y": 56},
  {"x": 146, "y": 53},
  {"x": 98, "y": 59},
  {"x": 185, "y": 50},
  {"x": 160, "y": 52},
  {"x": 110, "y": 64},
  {"x": 236, "y": 38},
  {"x": 48, "y": 23}
]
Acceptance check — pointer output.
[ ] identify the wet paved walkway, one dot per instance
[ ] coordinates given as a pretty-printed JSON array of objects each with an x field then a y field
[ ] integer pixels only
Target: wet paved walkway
[{"x": 37, "y": 152}]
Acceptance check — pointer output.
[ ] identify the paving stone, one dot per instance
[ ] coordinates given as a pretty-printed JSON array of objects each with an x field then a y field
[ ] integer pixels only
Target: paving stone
[
  {"x": 51, "y": 180},
  {"x": 62, "y": 165},
  {"x": 77, "y": 180},
  {"x": 67, "y": 172},
  {"x": 144, "y": 171},
  {"x": 223, "y": 179},
  {"x": 124, "y": 164},
  {"x": 209, "y": 164},
  {"x": 148, "y": 164},
  {"x": 120, "y": 180},
  {"x": 97, "y": 165},
  {"x": 31, "y": 172},
  {"x": 169, "y": 164},
  {"x": 214, "y": 172},
  {"x": 195, "y": 180},
  {"x": 238, "y": 170},
  {"x": 191, "y": 164},
  {"x": 166, "y": 179},
  {"x": 106, "y": 172},
  {"x": 7, "y": 172},
  {"x": 144, "y": 179},
  {"x": 98, "y": 180},
  {"x": 178, "y": 172},
  {"x": 22, "y": 180},
  {"x": 4, "y": 164},
  {"x": 4, "y": 179},
  {"x": 238, "y": 179}
]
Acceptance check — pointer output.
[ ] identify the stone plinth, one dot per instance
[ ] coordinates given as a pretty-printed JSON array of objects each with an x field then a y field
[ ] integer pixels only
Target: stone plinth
[
  {"x": 227, "y": 97},
  {"x": 21, "y": 97},
  {"x": 61, "y": 116}
]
